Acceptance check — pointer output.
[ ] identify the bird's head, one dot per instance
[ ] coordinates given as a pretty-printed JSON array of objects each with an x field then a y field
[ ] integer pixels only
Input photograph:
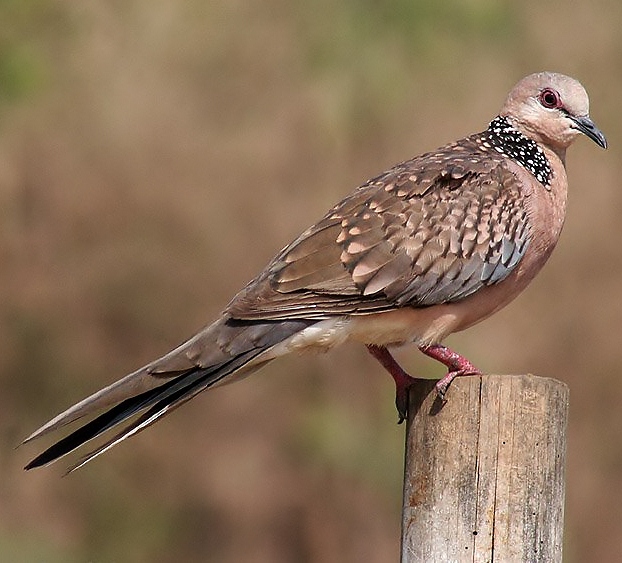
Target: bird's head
[{"x": 552, "y": 109}]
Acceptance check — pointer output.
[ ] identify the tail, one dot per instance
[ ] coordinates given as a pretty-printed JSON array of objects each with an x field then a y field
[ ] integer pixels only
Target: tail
[{"x": 220, "y": 353}]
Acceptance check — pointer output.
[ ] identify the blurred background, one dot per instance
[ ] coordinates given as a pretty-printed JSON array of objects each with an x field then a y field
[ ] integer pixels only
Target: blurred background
[{"x": 154, "y": 155}]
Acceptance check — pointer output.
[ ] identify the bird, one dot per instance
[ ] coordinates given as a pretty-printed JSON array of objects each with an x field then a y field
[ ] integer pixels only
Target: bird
[{"x": 430, "y": 247}]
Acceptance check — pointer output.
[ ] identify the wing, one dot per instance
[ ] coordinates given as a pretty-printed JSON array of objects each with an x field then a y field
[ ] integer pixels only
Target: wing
[{"x": 431, "y": 230}]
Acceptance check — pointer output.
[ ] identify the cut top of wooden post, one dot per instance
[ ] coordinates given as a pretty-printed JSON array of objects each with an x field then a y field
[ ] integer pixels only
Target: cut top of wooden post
[{"x": 484, "y": 473}]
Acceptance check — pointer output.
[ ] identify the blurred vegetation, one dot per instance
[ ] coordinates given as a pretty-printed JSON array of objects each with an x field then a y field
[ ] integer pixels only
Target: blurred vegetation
[
  {"x": 32, "y": 32},
  {"x": 155, "y": 155}
]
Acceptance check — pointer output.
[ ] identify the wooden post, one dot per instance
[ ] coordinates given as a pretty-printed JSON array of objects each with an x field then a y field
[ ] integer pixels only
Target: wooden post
[{"x": 484, "y": 473}]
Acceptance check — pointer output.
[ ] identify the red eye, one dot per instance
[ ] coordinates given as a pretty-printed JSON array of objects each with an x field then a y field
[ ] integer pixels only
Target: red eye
[{"x": 550, "y": 99}]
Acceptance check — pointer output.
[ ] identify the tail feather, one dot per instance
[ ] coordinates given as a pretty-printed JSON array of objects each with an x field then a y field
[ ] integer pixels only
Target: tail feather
[
  {"x": 99, "y": 425},
  {"x": 162, "y": 400},
  {"x": 202, "y": 350},
  {"x": 135, "y": 382},
  {"x": 156, "y": 392},
  {"x": 172, "y": 365},
  {"x": 163, "y": 407}
]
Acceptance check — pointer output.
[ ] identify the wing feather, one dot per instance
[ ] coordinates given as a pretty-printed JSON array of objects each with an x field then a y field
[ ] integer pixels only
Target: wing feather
[{"x": 434, "y": 229}]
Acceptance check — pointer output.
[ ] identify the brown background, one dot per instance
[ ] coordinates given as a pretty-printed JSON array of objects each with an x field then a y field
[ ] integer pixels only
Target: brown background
[{"x": 154, "y": 155}]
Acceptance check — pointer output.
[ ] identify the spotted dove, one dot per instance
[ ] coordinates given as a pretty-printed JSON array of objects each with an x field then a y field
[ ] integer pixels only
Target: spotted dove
[{"x": 427, "y": 248}]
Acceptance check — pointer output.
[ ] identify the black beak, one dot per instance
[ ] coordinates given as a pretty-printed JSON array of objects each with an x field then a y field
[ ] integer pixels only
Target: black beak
[{"x": 587, "y": 127}]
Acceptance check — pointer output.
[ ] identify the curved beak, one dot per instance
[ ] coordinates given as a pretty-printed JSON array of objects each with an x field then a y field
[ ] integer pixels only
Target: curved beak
[{"x": 587, "y": 127}]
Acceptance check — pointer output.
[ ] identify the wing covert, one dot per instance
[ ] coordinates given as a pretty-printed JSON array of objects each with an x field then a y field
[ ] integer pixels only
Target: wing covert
[{"x": 432, "y": 230}]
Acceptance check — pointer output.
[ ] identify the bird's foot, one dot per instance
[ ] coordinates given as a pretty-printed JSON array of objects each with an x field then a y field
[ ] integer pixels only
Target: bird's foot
[
  {"x": 456, "y": 364},
  {"x": 403, "y": 381}
]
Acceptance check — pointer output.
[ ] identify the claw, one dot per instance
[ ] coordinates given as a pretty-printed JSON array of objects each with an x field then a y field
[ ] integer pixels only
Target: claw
[
  {"x": 457, "y": 365},
  {"x": 403, "y": 381},
  {"x": 401, "y": 403}
]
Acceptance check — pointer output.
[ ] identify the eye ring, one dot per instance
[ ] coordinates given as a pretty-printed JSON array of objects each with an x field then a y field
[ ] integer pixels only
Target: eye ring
[{"x": 550, "y": 98}]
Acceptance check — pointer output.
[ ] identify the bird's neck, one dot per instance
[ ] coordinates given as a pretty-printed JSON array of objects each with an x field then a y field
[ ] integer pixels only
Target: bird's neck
[{"x": 512, "y": 143}]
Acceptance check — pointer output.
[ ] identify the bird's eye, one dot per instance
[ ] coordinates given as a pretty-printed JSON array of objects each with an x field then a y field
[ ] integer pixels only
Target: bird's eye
[{"x": 550, "y": 99}]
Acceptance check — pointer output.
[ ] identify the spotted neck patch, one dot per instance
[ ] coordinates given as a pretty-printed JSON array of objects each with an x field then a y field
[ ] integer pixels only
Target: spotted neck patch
[{"x": 510, "y": 142}]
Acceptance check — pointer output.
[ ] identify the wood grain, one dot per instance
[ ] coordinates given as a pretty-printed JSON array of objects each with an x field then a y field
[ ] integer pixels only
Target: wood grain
[{"x": 484, "y": 473}]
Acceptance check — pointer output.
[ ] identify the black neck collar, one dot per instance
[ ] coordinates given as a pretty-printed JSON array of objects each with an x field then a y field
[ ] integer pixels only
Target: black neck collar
[{"x": 510, "y": 142}]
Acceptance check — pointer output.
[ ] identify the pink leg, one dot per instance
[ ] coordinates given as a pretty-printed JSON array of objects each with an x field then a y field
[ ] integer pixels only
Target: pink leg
[
  {"x": 403, "y": 381},
  {"x": 456, "y": 364}
]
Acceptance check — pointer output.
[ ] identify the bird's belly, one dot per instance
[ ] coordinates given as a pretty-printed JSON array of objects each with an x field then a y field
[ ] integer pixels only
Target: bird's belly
[{"x": 421, "y": 326}]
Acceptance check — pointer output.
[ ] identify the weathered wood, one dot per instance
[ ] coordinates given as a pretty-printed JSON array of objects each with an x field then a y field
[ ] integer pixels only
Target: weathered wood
[{"x": 484, "y": 473}]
